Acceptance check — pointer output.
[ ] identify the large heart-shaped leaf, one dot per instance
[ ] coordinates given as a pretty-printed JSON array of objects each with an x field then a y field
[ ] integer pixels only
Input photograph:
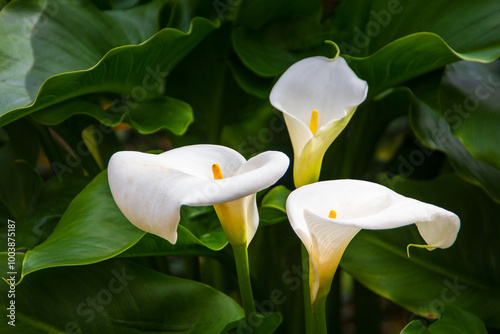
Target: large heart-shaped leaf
[
  {"x": 265, "y": 59},
  {"x": 31, "y": 53},
  {"x": 470, "y": 95},
  {"x": 364, "y": 26},
  {"x": 117, "y": 297},
  {"x": 409, "y": 57},
  {"x": 92, "y": 229},
  {"x": 412, "y": 38},
  {"x": 465, "y": 275},
  {"x": 31, "y": 61},
  {"x": 435, "y": 132}
]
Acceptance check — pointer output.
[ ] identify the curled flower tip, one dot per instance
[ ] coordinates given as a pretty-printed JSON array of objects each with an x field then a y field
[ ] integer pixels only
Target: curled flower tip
[
  {"x": 414, "y": 245},
  {"x": 217, "y": 172},
  {"x": 313, "y": 125},
  {"x": 332, "y": 214},
  {"x": 337, "y": 49}
]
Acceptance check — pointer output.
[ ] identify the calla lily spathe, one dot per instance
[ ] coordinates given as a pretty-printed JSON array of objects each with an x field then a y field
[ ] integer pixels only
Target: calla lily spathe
[
  {"x": 150, "y": 189},
  {"x": 318, "y": 97},
  {"x": 354, "y": 205}
]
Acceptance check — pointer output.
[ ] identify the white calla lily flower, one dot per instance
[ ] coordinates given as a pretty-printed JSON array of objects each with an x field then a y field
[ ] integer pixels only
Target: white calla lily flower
[
  {"x": 327, "y": 215},
  {"x": 318, "y": 97},
  {"x": 150, "y": 189}
]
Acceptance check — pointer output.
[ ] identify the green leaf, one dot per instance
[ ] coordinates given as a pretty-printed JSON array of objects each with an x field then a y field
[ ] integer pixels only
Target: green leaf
[
  {"x": 270, "y": 322},
  {"x": 276, "y": 198},
  {"x": 164, "y": 112},
  {"x": 435, "y": 132},
  {"x": 452, "y": 321},
  {"x": 265, "y": 59},
  {"x": 395, "y": 63},
  {"x": 134, "y": 70},
  {"x": 361, "y": 27},
  {"x": 199, "y": 234},
  {"x": 92, "y": 229},
  {"x": 153, "y": 245},
  {"x": 466, "y": 275},
  {"x": 87, "y": 37},
  {"x": 406, "y": 39},
  {"x": 44, "y": 210},
  {"x": 147, "y": 116},
  {"x": 249, "y": 82},
  {"x": 469, "y": 95},
  {"x": 410, "y": 57},
  {"x": 273, "y": 206},
  {"x": 58, "y": 113},
  {"x": 259, "y": 324},
  {"x": 269, "y": 52},
  {"x": 117, "y": 297}
]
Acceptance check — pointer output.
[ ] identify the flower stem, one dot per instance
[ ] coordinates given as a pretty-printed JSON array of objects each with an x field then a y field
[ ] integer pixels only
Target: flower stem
[
  {"x": 243, "y": 271},
  {"x": 318, "y": 310},
  {"x": 308, "y": 314}
]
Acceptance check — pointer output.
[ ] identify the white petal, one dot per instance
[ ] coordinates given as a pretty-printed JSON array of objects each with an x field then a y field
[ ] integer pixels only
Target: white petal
[
  {"x": 299, "y": 133},
  {"x": 195, "y": 159},
  {"x": 253, "y": 217},
  {"x": 440, "y": 232},
  {"x": 150, "y": 189},
  {"x": 327, "y": 85},
  {"x": 359, "y": 205}
]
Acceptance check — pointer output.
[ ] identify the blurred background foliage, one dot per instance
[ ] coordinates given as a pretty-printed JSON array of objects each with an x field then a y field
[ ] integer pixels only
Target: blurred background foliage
[{"x": 82, "y": 79}]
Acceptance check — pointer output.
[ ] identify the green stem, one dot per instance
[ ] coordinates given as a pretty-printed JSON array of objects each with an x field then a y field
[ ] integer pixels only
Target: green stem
[
  {"x": 243, "y": 271},
  {"x": 308, "y": 313},
  {"x": 318, "y": 310}
]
